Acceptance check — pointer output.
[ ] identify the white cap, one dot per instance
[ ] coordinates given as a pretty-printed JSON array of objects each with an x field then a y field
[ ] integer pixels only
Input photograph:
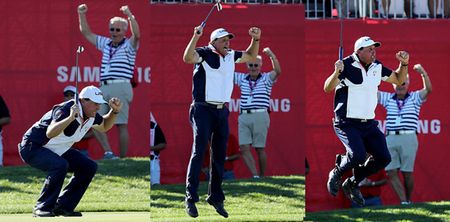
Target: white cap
[
  {"x": 70, "y": 89},
  {"x": 365, "y": 41},
  {"x": 92, "y": 93},
  {"x": 219, "y": 33}
]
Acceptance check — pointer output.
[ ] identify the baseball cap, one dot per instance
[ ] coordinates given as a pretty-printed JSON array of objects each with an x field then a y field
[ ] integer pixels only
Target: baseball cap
[
  {"x": 70, "y": 89},
  {"x": 219, "y": 33},
  {"x": 92, "y": 93},
  {"x": 364, "y": 42}
]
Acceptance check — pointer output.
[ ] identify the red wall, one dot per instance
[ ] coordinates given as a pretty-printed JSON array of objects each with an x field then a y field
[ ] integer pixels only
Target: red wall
[
  {"x": 40, "y": 44},
  {"x": 171, "y": 27},
  {"x": 428, "y": 42}
]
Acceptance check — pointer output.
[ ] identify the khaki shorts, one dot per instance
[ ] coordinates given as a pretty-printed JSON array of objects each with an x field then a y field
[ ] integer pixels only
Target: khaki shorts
[
  {"x": 124, "y": 92},
  {"x": 253, "y": 128},
  {"x": 403, "y": 149}
]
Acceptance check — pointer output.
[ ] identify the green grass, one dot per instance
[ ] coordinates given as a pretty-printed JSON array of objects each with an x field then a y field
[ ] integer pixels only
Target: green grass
[
  {"x": 119, "y": 185},
  {"x": 87, "y": 217},
  {"x": 433, "y": 211},
  {"x": 278, "y": 198}
]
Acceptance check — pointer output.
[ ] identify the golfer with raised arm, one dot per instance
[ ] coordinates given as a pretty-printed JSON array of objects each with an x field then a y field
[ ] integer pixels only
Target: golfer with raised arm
[
  {"x": 47, "y": 146},
  {"x": 212, "y": 88},
  {"x": 355, "y": 81}
]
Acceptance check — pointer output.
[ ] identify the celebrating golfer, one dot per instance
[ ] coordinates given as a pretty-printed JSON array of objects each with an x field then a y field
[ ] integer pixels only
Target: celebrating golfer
[
  {"x": 355, "y": 81},
  {"x": 46, "y": 146},
  {"x": 212, "y": 88}
]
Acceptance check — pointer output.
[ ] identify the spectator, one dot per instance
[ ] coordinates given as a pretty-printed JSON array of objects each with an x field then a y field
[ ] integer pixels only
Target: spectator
[
  {"x": 118, "y": 61},
  {"x": 371, "y": 189},
  {"x": 254, "y": 119},
  {"x": 408, "y": 7},
  {"x": 233, "y": 154},
  {"x": 355, "y": 81},
  {"x": 433, "y": 8},
  {"x": 83, "y": 144},
  {"x": 212, "y": 88},
  {"x": 46, "y": 146},
  {"x": 157, "y": 144},
  {"x": 403, "y": 109},
  {"x": 5, "y": 118},
  {"x": 347, "y": 8},
  {"x": 306, "y": 166}
]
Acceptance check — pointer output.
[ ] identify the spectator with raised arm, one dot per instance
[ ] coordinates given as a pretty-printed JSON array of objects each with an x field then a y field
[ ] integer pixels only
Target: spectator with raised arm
[{"x": 116, "y": 73}]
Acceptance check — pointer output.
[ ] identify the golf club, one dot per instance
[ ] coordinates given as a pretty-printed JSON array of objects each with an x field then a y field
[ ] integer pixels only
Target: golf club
[
  {"x": 341, "y": 48},
  {"x": 80, "y": 49},
  {"x": 219, "y": 8}
]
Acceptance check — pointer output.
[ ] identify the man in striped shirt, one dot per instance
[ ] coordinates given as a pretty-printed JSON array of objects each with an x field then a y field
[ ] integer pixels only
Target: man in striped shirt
[
  {"x": 118, "y": 60},
  {"x": 402, "y": 119},
  {"x": 254, "y": 120}
]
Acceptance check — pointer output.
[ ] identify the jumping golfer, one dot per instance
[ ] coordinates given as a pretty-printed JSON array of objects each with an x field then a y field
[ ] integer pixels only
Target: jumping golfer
[
  {"x": 355, "y": 81},
  {"x": 212, "y": 88},
  {"x": 118, "y": 60},
  {"x": 46, "y": 146}
]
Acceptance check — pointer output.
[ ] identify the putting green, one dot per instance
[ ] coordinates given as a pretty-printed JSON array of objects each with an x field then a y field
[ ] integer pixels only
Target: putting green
[{"x": 87, "y": 217}]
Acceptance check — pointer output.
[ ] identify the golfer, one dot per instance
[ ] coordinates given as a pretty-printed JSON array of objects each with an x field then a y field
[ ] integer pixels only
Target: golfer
[
  {"x": 212, "y": 87},
  {"x": 46, "y": 146},
  {"x": 355, "y": 81}
]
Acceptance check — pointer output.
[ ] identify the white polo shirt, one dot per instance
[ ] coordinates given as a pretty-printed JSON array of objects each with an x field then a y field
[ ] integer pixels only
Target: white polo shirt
[
  {"x": 356, "y": 94},
  {"x": 74, "y": 132},
  {"x": 213, "y": 75}
]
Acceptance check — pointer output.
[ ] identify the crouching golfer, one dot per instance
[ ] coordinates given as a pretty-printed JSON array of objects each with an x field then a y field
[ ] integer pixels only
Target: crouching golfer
[{"x": 46, "y": 146}]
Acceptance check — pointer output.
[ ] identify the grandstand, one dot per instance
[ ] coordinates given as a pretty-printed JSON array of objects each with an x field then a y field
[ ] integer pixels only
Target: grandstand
[{"x": 325, "y": 9}]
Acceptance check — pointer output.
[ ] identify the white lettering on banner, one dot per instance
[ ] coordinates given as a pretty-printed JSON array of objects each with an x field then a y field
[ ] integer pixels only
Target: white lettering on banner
[
  {"x": 92, "y": 74},
  {"x": 424, "y": 126},
  {"x": 144, "y": 76},
  {"x": 233, "y": 106},
  {"x": 276, "y": 105}
]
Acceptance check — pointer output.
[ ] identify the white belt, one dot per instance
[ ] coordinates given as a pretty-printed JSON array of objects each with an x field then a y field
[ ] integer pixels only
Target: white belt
[
  {"x": 253, "y": 110},
  {"x": 110, "y": 81},
  {"x": 216, "y": 105},
  {"x": 400, "y": 132}
]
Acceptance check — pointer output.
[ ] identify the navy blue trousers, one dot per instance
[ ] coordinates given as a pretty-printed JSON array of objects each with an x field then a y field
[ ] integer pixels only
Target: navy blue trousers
[
  {"x": 207, "y": 123},
  {"x": 56, "y": 168},
  {"x": 360, "y": 138}
]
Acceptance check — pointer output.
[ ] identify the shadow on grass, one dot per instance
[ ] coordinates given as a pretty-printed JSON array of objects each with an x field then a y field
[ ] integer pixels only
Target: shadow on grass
[
  {"x": 271, "y": 188},
  {"x": 415, "y": 212},
  {"x": 124, "y": 168},
  {"x": 20, "y": 174}
]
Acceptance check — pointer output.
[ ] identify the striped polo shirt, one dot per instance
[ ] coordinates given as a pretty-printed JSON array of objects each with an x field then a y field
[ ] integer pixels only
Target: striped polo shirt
[
  {"x": 401, "y": 114},
  {"x": 117, "y": 62},
  {"x": 254, "y": 94}
]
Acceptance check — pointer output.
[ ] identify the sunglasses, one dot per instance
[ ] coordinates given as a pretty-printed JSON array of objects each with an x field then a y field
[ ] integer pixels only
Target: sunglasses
[
  {"x": 114, "y": 29},
  {"x": 253, "y": 65}
]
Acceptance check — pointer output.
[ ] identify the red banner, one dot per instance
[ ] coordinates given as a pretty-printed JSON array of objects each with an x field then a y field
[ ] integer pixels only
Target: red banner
[
  {"x": 38, "y": 57},
  {"x": 428, "y": 42},
  {"x": 38, "y": 61}
]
